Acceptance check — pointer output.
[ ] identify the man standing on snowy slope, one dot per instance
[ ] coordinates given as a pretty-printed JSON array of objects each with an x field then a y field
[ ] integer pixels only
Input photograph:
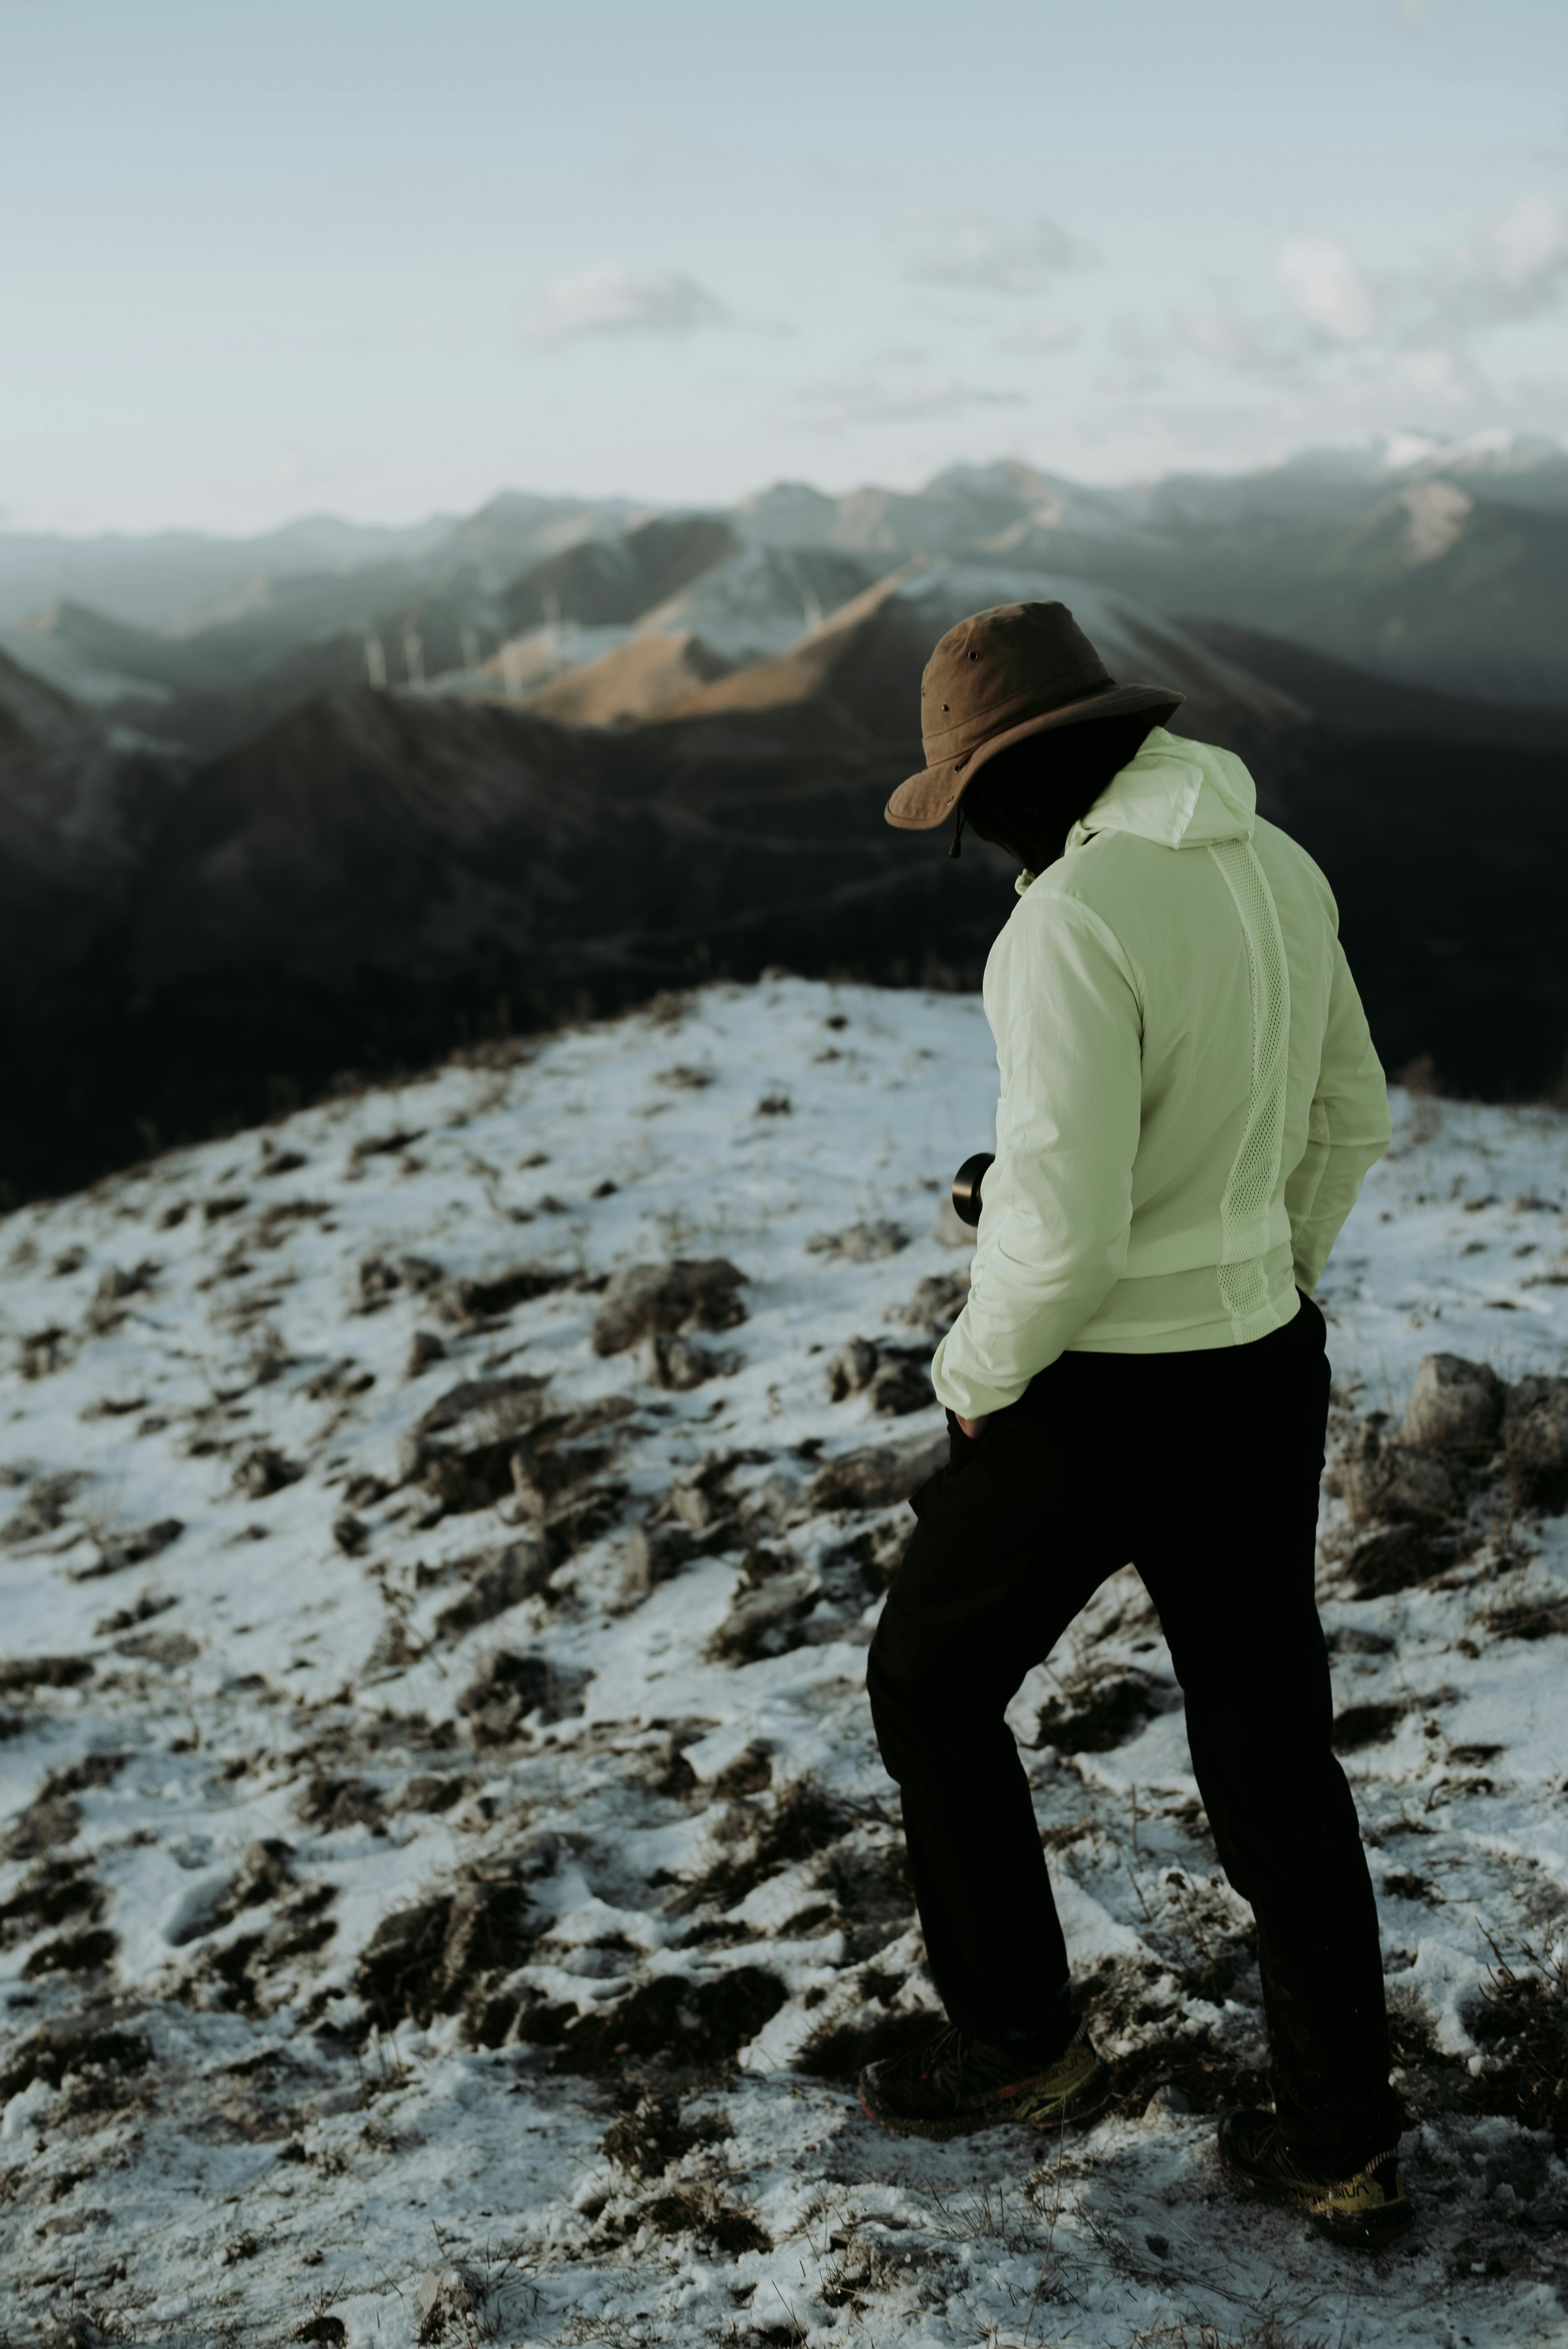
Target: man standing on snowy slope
[{"x": 1190, "y": 1103}]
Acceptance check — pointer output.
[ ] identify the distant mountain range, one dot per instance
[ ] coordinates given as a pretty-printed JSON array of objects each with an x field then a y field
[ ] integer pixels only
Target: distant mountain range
[
  {"x": 362, "y": 794},
  {"x": 1443, "y": 567}
]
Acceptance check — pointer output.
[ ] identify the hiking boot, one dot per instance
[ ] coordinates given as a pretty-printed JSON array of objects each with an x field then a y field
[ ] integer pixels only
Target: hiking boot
[
  {"x": 1365, "y": 2211},
  {"x": 956, "y": 2083}
]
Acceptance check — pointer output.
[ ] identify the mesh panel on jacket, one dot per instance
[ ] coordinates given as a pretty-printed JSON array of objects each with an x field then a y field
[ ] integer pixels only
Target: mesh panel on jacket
[{"x": 1255, "y": 1176}]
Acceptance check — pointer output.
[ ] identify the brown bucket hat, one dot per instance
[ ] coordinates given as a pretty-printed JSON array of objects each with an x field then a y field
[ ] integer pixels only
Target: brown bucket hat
[{"x": 997, "y": 678}]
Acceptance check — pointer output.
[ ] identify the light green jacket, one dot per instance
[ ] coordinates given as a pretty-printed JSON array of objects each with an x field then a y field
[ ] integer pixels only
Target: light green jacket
[{"x": 1190, "y": 1096}]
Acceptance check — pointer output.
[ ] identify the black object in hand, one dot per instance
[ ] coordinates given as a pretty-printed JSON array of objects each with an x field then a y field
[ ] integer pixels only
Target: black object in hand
[{"x": 967, "y": 1186}]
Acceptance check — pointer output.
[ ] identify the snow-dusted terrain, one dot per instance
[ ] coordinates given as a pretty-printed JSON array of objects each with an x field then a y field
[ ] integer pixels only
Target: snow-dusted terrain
[{"x": 447, "y": 1880}]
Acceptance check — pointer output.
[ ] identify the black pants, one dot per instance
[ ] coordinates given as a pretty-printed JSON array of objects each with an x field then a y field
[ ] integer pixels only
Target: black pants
[{"x": 1202, "y": 1470}]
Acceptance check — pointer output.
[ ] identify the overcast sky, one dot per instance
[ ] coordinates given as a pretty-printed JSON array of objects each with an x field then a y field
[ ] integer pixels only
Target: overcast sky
[{"x": 264, "y": 258}]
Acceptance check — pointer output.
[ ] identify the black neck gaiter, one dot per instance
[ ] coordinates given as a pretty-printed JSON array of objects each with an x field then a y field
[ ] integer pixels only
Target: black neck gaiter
[{"x": 1026, "y": 800}]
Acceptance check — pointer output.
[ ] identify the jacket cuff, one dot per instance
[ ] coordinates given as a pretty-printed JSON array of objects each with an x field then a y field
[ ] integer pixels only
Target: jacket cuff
[{"x": 971, "y": 1398}]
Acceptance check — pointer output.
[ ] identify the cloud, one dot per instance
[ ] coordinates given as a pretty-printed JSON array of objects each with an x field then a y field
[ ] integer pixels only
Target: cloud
[
  {"x": 1515, "y": 268},
  {"x": 1422, "y": 326},
  {"x": 1040, "y": 335},
  {"x": 612, "y": 301},
  {"x": 870, "y": 398},
  {"x": 1323, "y": 284},
  {"x": 1228, "y": 333},
  {"x": 987, "y": 253},
  {"x": 1437, "y": 376},
  {"x": 1139, "y": 358}
]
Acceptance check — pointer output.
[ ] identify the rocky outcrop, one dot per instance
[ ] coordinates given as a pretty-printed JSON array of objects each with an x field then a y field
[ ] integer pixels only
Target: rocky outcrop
[{"x": 1454, "y": 1406}]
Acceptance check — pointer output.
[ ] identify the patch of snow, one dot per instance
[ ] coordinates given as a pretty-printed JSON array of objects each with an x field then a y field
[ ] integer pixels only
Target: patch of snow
[{"x": 424, "y": 1877}]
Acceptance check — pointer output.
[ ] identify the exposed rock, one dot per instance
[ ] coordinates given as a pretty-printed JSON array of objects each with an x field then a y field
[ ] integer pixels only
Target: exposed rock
[
  {"x": 1535, "y": 1442},
  {"x": 425, "y": 1348},
  {"x": 680, "y": 1364},
  {"x": 332, "y": 1805},
  {"x": 427, "y": 1793},
  {"x": 1540, "y": 1617},
  {"x": 937, "y": 1302},
  {"x": 673, "y": 2017},
  {"x": 871, "y": 1557},
  {"x": 651, "y": 1554},
  {"x": 879, "y": 1476},
  {"x": 544, "y": 1475},
  {"x": 166, "y": 1648},
  {"x": 379, "y": 1276},
  {"x": 459, "y": 1481},
  {"x": 447, "y": 2297},
  {"x": 42, "y": 1353},
  {"x": 896, "y": 1377},
  {"x": 437, "y": 1955},
  {"x": 54, "y": 1892},
  {"x": 1108, "y": 1713},
  {"x": 900, "y": 1386},
  {"x": 582, "y": 1521},
  {"x": 478, "y": 1301},
  {"x": 1364, "y": 1725},
  {"x": 262, "y": 1874},
  {"x": 860, "y": 1243},
  {"x": 699, "y": 1503},
  {"x": 645, "y": 2140},
  {"x": 1396, "y": 1557},
  {"x": 489, "y": 1438},
  {"x": 1455, "y": 1405},
  {"x": 117, "y": 1282},
  {"x": 380, "y": 1146},
  {"x": 1393, "y": 1483},
  {"x": 19, "y": 1672},
  {"x": 71, "y": 1953},
  {"x": 44, "y": 1826},
  {"x": 52, "y": 1818},
  {"x": 472, "y": 1416},
  {"x": 750, "y": 1773},
  {"x": 140, "y": 1610},
  {"x": 94, "y": 2054},
  {"x": 43, "y": 1511},
  {"x": 511, "y": 1688},
  {"x": 851, "y": 1367},
  {"x": 263, "y": 1471},
  {"x": 132, "y": 1548},
  {"x": 651, "y": 1301},
  {"x": 765, "y": 1619},
  {"x": 497, "y": 1581}
]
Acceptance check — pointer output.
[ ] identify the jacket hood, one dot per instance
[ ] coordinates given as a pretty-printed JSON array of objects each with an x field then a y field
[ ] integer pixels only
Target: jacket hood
[{"x": 1182, "y": 794}]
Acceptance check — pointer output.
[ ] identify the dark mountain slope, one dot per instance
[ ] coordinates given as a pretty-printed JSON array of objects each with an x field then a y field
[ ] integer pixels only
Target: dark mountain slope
[
  {"x": 1432, "y": 586},
  {"x": 603, "y": 582},
  {"x": 377, "y": 879},
  {"x": 380, "y": 876},
  {"x": 91, "y": 640},
  {"x": 866, "y": 661},
  {"x": 1447, "y": 860},
  {"x": 32, "y": 710},
  {"x": 1359, "y": 701}
]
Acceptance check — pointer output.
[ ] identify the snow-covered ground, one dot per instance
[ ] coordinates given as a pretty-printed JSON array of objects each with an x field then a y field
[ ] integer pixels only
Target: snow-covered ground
[{"x": 448, "y": 1879}]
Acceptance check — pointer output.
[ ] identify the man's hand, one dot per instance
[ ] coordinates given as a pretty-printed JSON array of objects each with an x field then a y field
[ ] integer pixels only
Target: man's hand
[{"x": 974, "y": 1427}]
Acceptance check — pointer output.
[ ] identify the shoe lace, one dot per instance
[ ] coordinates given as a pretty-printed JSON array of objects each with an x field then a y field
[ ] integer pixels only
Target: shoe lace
[
  {"x": 1271, "y": 2144},
  {"x": 936, "y": 2054}
]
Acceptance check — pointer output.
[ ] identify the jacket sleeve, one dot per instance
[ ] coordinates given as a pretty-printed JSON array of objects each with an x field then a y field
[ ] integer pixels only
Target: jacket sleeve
[
  {"x": 1057, "y": 1204},
  {"x": 1347, "y": 1129}
]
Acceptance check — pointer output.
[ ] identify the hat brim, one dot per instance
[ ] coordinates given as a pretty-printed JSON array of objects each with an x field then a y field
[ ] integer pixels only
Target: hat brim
[{"x": 928, "y": 799}]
